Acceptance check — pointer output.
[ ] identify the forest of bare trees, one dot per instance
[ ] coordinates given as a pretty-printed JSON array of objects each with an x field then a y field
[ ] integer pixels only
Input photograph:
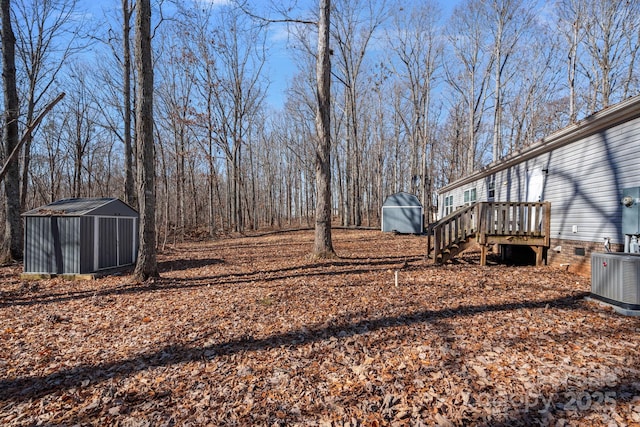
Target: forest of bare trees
[{"x": 420, "y": 95}]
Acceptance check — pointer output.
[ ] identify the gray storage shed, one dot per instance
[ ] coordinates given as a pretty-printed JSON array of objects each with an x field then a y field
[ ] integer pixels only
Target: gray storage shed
[
  {"x": 403, "y": 213},
  {"x": 80, "y": 236}
]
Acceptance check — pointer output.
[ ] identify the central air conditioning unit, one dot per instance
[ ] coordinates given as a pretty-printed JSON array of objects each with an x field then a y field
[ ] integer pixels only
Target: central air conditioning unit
[
  {"x": 615, "y": 276},
  {"x": 615, "y": 279}
]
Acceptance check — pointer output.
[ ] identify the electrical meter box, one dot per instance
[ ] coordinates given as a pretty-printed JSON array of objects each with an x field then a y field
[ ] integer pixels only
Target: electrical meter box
[{"x": 631, "y": 211}]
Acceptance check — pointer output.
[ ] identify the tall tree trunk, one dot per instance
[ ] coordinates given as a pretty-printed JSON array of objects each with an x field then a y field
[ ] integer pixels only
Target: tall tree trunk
[
  {"x": 12, "y": 243},
  {"x": 43, "y": 30},
  {"x": 497, "y": 107},
  {"x": 212, "y": 176},
  {"x": 357, "y": 159},
  {"x": 180, "y": 180},
  {"x": 77, "y": 163},
  {"x": 471, "y": 153},
  {"x": 323, "y": 245},
  {"x": 129, "y": 182},
  {"x": 147, "y": 265},
  {"x": 211, "y": 187},
  {"x": 572, "y": 66}
]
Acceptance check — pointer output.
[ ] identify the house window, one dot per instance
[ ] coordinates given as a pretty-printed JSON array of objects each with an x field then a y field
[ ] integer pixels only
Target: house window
[
  {"x": 469, "y": 196},
  {"x": 491, "y": 193},
  {"x": 448, "y": 205}
]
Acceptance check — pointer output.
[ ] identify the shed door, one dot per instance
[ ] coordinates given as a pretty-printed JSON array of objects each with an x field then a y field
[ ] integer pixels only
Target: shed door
[
  {"x": 126, "y": 238},
  {"x": 108, "y": 242}
]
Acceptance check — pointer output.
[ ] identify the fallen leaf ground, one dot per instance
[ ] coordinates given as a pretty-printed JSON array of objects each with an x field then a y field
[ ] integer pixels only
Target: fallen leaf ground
[{"x": 250, "y": 331}]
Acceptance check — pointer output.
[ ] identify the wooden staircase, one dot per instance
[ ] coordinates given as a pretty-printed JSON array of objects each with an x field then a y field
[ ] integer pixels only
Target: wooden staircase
[{"x": 490, "y": 223}]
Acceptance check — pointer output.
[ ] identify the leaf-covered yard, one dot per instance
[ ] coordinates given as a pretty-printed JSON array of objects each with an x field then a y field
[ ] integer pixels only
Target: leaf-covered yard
[{"x": 250, "y": 331}]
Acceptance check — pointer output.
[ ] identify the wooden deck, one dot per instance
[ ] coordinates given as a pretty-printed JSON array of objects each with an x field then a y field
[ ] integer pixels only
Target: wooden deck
[{"x": 491, "y": 223}]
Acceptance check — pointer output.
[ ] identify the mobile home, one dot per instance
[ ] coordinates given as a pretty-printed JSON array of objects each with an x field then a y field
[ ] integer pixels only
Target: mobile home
[{"x": 582, "y": 171}]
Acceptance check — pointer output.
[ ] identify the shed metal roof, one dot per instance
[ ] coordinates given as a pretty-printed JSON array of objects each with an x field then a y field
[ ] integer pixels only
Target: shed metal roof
[
  {"x": 84, "y": 207},
  {"x": 402, "y": 199}
]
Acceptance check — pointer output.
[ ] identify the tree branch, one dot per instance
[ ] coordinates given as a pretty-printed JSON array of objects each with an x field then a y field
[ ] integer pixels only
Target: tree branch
[
  {"x": 14, "y": 154},
  {"x": 242, "y": 5}
]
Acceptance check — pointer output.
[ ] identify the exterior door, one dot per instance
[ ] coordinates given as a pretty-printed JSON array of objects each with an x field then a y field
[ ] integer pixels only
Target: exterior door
[
  {"x": 535, "y": 187},
  {"x": 535, "y": 184}
]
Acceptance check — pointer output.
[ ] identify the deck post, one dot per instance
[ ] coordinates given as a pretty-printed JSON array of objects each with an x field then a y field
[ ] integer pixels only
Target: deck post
[
  {"x": 546, "y": 228},
  {"x": 482, "y": 223},
  {"x": 538, "y": 250},
  {"x": 483, "y": 255},
  {"x": 437, "y": 242}
]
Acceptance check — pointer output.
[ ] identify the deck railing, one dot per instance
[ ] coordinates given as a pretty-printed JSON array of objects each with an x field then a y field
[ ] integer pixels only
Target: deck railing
[
  {"x": 523, "y": 223},
  {"x": 451, "y": 231}
]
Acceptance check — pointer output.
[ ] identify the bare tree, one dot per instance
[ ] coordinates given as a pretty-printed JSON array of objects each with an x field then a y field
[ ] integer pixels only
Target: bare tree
[
  {"x": 631, "y": 36},
  {"x": 529, "y": 113},
  {"x": 205, "y": 75},
  {"x": 55, "y": 153},
  {"x": 226, "y": 70},
  {"x": 417, "y": 43},
  {"x": 129, "y": 167},
  {"x": 323, "y": 245},
  {"x": 605, "y": 41},
  {"x": 79, "y": 129},
  {"x": 469, "y": 72},
  {"x": 380, "y": 130},
  {"x": 176, "y": 106},
  {"x": 236, "y": 96},
  {"x": 296, "y": 133},
  {"x": 508, "y": 20},
  {"x": 571, "y": 15},
  {"x": 455, "y": 142},
  {"x": 146, "y": 266},
  {"x": 115, "y": 92},
  {"x": 12, "y": 246},
  {"x": 355, "y": 25},
  {"x": 47, "y": 36}
]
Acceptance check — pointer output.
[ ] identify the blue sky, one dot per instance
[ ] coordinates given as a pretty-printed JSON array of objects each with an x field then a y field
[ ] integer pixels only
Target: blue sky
[
  {"x": 281, "y": 58},
  {"x": 281, "y": 62}
]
